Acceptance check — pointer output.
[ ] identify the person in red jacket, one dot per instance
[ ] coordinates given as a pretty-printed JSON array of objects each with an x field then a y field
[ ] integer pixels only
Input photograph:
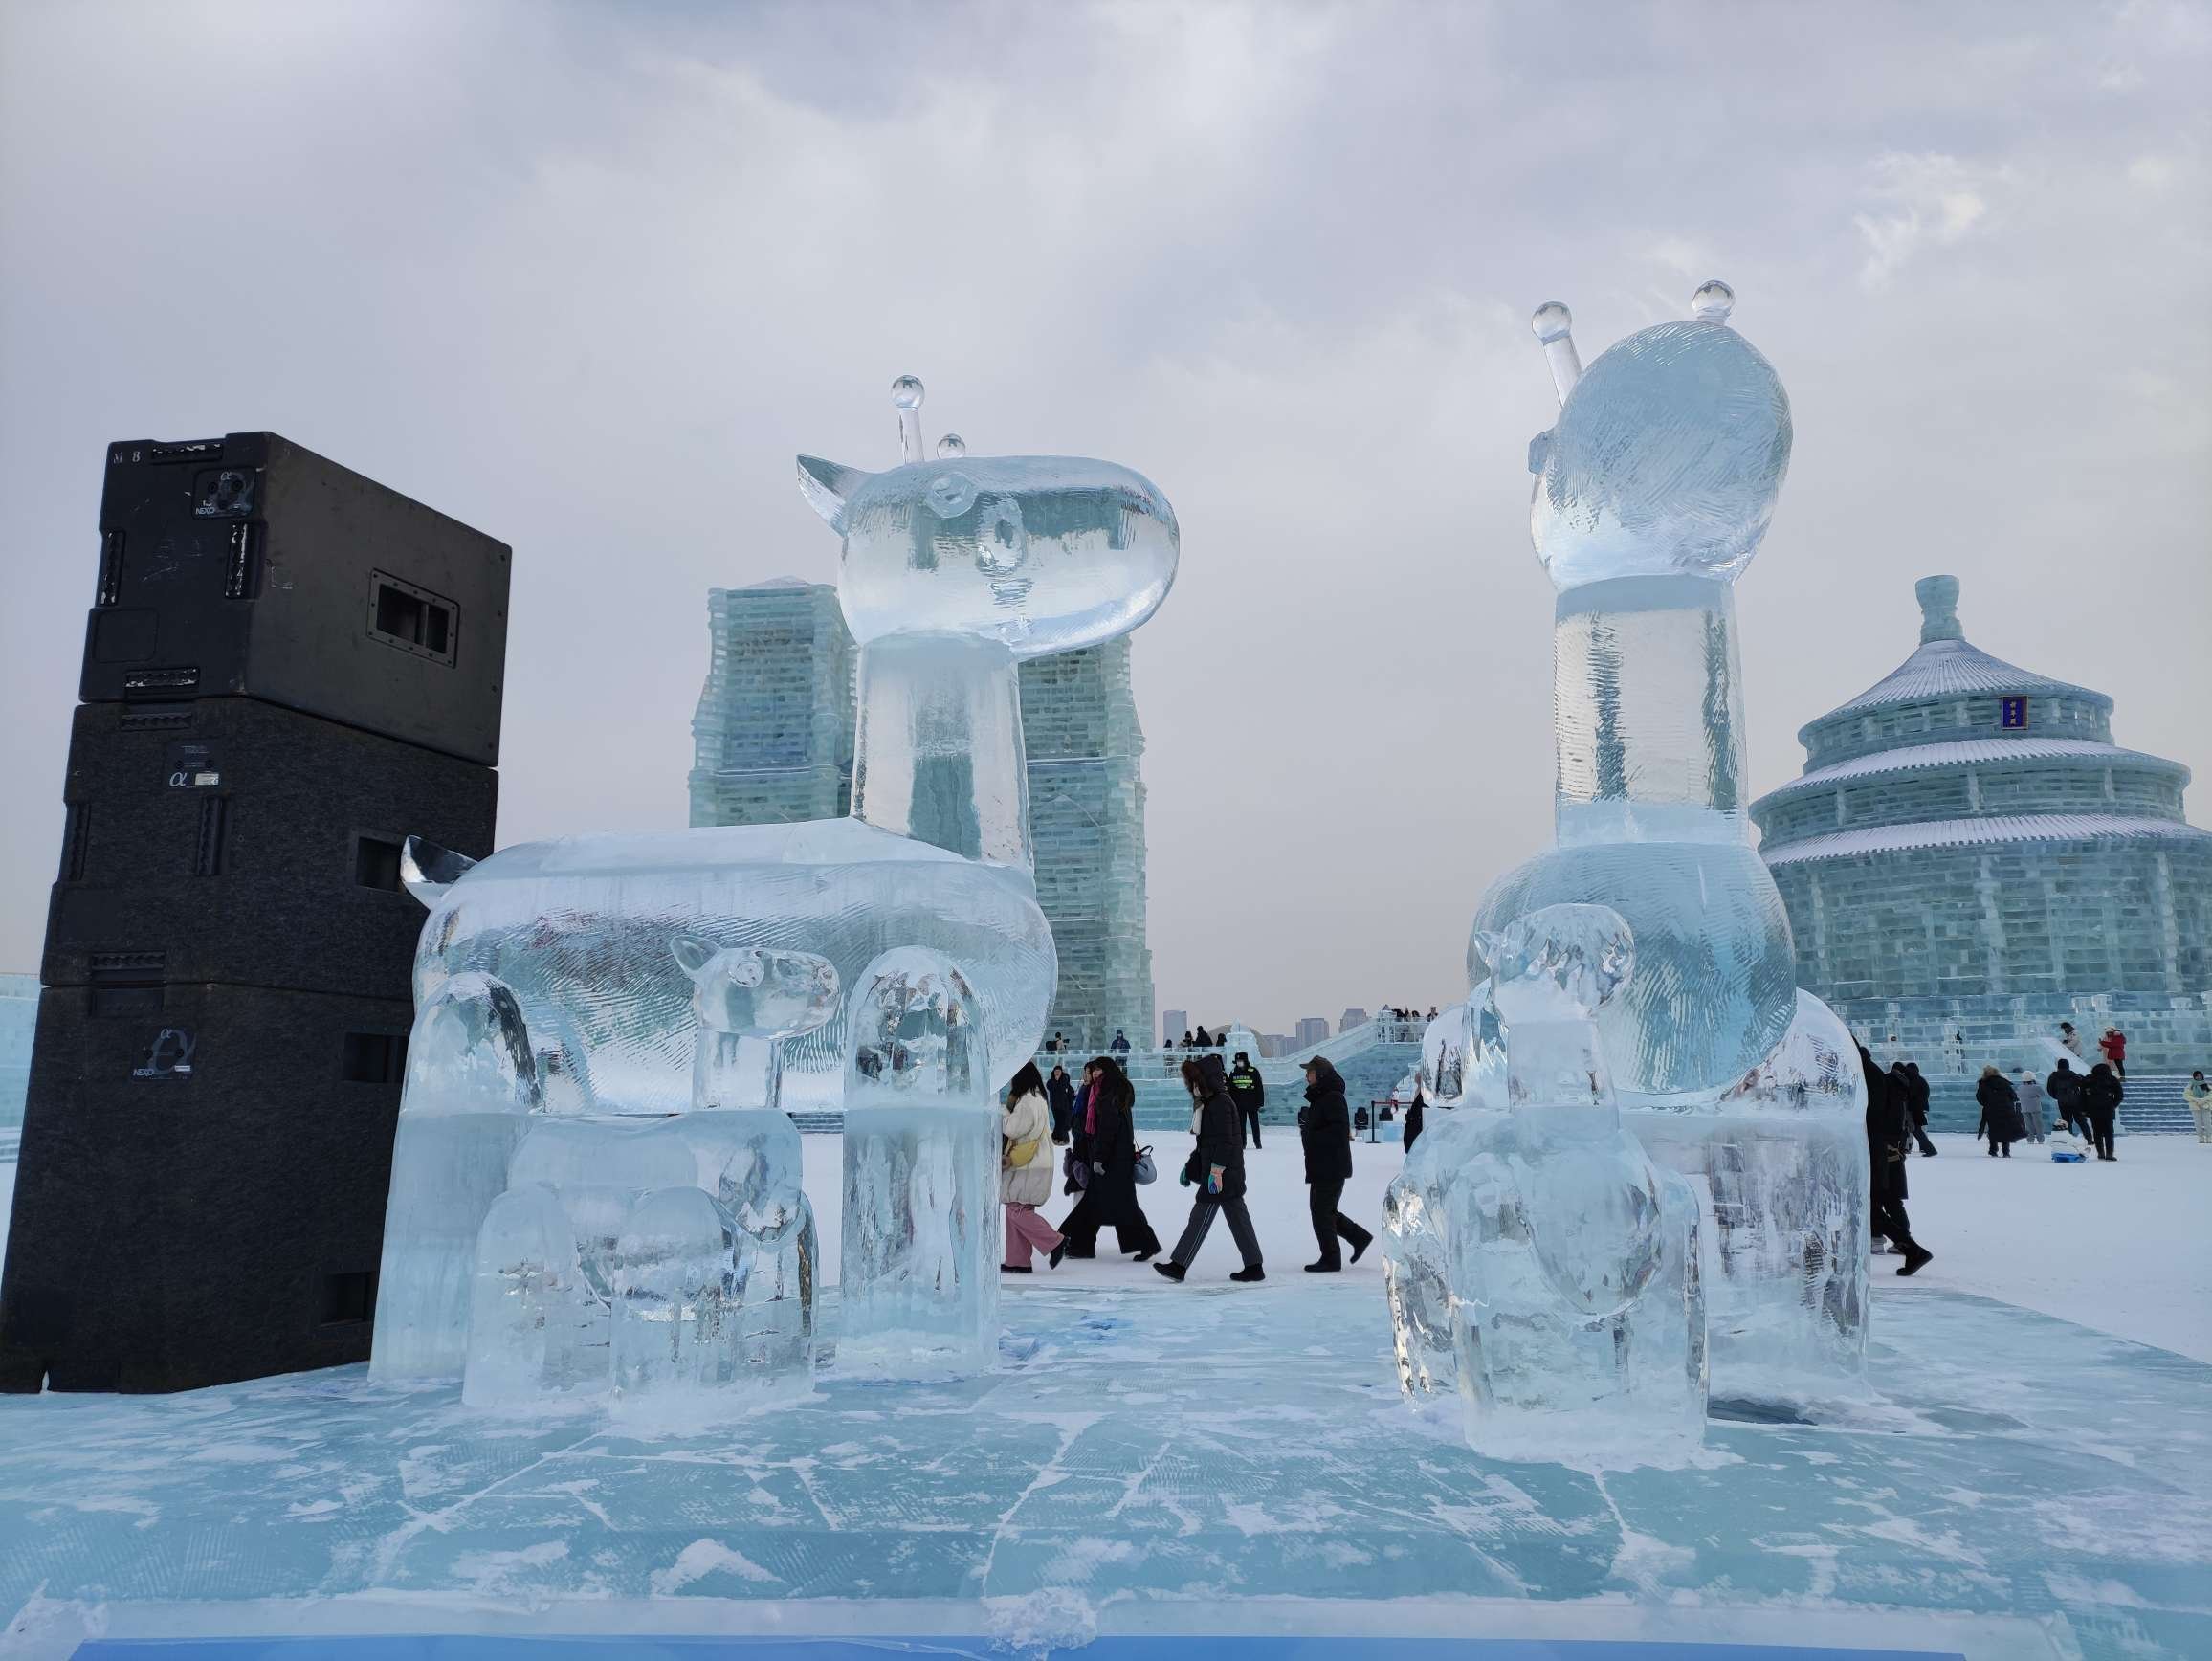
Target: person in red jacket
[{"x": 2115, "y": 1047}]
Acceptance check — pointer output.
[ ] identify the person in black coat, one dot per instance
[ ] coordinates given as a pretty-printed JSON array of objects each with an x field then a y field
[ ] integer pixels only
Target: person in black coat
[
  {"x": 1325, "y": 1129},
  {"x": 1888, "y": 1135},
  {"x": 2000, "y": 1120},
  {"x": 2063, "y": 1087},
  {"x": 1106, "y": 1144},
  {"x": 1917, "y": 1106},
  {"x": 1216, "y": 1170},
  {"x": 1060, "y": 1098},
  {"x": 1249, "y": 1092},
  {"x": 1413, "y": 1117},
  {"x": 2101, "y": 1094}
]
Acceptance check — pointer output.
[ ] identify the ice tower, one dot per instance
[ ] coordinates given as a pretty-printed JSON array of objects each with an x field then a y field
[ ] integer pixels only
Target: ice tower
[
  {"x": 1652, "y": 493},
  {"x": 952, "y": 571}
]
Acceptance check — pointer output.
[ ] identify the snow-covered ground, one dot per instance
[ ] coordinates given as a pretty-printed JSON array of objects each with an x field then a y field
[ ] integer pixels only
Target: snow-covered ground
[{"x": 2124, "y": 1248}]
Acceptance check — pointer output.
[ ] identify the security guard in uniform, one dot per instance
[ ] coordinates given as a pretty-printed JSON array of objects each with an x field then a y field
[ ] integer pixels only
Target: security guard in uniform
[{"x": 1248, "y": 1093}]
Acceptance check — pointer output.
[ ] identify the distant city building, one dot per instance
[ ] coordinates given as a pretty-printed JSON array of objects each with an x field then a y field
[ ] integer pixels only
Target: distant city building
[
  {"x": 1352, "y": 1017},
  {"x": 1173, "y": 1025},
  {"x": 1312, "y": 1029},
  {"x": 1080, "y": 733},
  {"x": 18, "y": 1015},
  {"x": 1968, "y": 859},
  {"x": 773, "y": 734}
]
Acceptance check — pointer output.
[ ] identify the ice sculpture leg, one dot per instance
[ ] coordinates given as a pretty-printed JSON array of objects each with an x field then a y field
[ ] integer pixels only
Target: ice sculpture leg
[
  {"x": 749, "y": 1003},
  {"x": 470, "y": 1085},
  {"x": 675, "y": 1285},
  {"x": 536, "y": 1331},
  {"x": 920, "y": 1283},
  {"x": 1577, "y": 1317}
]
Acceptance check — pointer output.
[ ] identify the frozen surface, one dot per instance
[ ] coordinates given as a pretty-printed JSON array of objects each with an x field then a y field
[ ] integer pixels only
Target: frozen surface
[{"x": 1238, "y": 1452}]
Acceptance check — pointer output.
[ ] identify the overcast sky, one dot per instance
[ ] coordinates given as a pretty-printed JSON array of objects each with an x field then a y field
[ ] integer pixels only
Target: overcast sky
[{"x": 588, "y": 277}]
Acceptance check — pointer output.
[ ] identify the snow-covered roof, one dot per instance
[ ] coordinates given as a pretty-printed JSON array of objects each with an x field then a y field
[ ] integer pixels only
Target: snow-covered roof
[
  {"x": 1969, "y": 752},
  {"x": 1943, "y": 669},
  {"x": 1967, "y": 832}
]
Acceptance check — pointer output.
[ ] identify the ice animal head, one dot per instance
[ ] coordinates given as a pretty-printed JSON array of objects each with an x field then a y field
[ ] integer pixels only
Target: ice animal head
[
  {"x": 757, "y": 991},
  {"x": 1669, "y": 453},
  {"x": 1560, "y": 962},
  {"x": 1045, "y": 553},
  {"x": 916, "y": 1040}
]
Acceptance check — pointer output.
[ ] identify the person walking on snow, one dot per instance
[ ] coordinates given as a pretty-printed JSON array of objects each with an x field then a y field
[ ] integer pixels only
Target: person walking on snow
[
  {"x": 1060, "y": 1098},
  {"x": 1216, "y": 1170},
  {"x": 2000, "y": 1111},
  {"x": 1025, "y": 1173},
  {"x": 2065, "y": 1089},
  {"x": 1249, "y": 1093},
  {"x": 2034, "y": 1119},
  {"x": 2199, "y": 1095},
  {"x": 2101, "y": 1094},
  {"x": 1916, "y": 1107},
  {"x": 1889, "y": 1138},
  {"x": 1106, "y": 1148},
  {"x": 1325, "y": 1129}
]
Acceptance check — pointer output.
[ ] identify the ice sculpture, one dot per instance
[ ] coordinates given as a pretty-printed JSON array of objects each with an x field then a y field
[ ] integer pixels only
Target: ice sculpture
[
  {"x": 919, "y": 1293},
  {"x": 1570, "y": 1259},
  {"x": 1651, "y": 494},
  {"x": 953, "y": 570}
]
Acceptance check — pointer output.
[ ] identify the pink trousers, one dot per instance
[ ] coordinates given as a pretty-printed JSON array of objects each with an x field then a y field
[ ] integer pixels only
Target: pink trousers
[{"x": 1027, "y": 1233}]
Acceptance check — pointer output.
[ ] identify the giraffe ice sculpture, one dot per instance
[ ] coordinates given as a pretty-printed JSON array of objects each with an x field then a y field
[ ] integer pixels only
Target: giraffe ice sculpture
[
  {"x": 1651, "y": 495},
  {"x": 952, "y": 571},
  {"x": 1570, "y": 1260}
]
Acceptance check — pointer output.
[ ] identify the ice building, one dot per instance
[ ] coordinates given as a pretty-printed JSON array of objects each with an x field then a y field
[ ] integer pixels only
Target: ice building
[
  {"x": 773, "y": 734},
  {"x": 1969, "y": 860},
  {"x": 1087, "y": 822},
  {"x": 18, "y": 1016}
]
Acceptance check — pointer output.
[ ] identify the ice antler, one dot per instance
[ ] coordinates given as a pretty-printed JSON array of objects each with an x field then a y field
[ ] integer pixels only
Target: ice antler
[{"x": 1553, "y": 324}]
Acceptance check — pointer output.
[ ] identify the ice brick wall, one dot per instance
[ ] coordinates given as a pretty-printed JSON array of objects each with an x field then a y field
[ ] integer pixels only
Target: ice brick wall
[
  {"x": 773, "y": 733},
  {"x": 1087, "y": 821}
]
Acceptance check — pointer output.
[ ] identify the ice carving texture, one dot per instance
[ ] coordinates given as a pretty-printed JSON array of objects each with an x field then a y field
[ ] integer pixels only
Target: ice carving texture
[
  {"x": 1651, "y": 494},
  {"x": 920, "y": 1283},
  {"x": 953, "y": 570},
  {"x": 1576, "y": 1314}
]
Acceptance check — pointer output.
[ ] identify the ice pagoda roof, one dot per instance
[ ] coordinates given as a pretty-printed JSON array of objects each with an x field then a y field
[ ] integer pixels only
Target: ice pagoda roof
[
  {"x": 1948, "y": 665},
  {"x": 1968, "y": 833},
  {"x": 1970, "y": 752}
]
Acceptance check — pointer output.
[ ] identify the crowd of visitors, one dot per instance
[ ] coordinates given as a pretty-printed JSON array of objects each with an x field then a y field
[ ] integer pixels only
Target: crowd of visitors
[{"x": 1104, "y": 1165}]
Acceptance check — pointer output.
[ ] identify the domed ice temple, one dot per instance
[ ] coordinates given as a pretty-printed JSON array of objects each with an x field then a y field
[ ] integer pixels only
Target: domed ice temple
[{"x": 1968, "y": 860}]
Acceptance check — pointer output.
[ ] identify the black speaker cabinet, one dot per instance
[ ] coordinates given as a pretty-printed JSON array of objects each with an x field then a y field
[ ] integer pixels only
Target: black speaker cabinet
[
  {"x": 247, "y": 565},
  {"x": 225, "y": 839},
  {"x": 202, "y": 1186}
]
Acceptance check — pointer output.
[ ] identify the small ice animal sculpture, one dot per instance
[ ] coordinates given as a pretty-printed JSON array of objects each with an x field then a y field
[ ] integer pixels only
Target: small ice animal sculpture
[
  {"x": 953, "y": 570},
  {"x": 1651, "y": 495},
  {"x": 1569, "y": 1259},
  {"x": 919, "y": 1282},
  {"x": 681, "y": 1274}
]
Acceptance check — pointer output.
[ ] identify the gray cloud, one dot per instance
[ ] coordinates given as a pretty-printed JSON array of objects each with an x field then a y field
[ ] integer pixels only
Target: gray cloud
[{"x": 588, "y": 280}]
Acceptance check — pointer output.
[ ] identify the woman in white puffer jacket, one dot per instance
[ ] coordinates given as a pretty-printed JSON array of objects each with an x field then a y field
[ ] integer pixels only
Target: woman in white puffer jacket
[{"x": 1026, "y": 1172}]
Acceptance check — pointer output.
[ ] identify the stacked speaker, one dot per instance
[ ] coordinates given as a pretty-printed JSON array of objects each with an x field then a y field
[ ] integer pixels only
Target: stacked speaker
[{"x": 288, "y": 670}]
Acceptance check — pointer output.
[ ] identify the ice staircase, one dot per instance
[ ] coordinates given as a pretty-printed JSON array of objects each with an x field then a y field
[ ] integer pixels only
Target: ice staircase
[{"x": 2152, "y": 1106}]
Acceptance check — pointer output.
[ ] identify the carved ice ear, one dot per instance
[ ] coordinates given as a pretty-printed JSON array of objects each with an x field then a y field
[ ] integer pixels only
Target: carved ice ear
[
  {"x": 428, "y": 869},
  {"x": 691, "y": 952},
  {"x": 828, "y": 486}
]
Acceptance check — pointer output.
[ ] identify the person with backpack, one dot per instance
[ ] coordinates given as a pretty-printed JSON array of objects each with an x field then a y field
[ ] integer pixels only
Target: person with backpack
[
  {"x": 1025, "y": 1173},
  {"x": 2000, "y": 1111},
  {"x": 1325, "y": 1129},
  {"x": 1216, "y": 1170},
  {"x": 2063, "y": 1087},
  {"x": 1249, "y": 1092},
  {"x": 2101, "y": 1094}
]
